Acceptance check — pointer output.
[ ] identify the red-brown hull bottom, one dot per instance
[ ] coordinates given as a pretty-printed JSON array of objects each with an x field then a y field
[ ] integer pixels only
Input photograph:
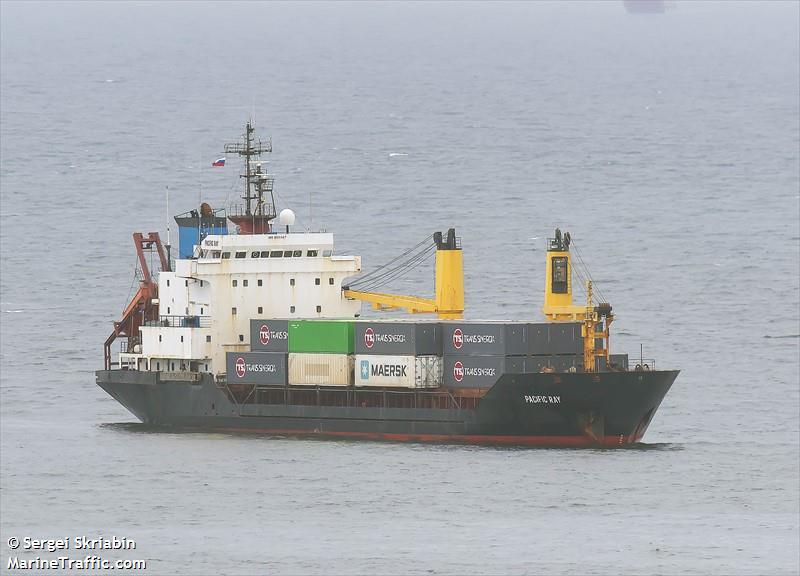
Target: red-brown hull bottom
[{"x": 487, "y": 440}]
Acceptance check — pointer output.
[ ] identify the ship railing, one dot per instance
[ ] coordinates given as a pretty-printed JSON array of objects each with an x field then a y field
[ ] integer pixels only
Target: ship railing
[
  {"x": 239, "y": 210},
  {"x": 181, "y": 321},
  {"x": 341, "y": 396}
]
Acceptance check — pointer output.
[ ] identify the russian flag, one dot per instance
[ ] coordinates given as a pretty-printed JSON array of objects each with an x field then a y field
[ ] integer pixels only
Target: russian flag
[{"x": 219, "y": 162}]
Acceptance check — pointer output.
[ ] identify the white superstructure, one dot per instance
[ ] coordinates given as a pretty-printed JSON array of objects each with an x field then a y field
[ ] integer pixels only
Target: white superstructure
[{"x": 206, "y": 303}]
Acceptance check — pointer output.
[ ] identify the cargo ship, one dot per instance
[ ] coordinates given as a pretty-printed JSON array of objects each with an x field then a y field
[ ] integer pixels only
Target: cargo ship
[{"x": 256, "y": 327}]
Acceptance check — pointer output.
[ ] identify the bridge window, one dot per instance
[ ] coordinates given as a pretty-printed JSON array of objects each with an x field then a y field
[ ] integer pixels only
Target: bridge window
[
  {"x": 226, "y": 255},
  {"x": 330, "y": 281},
  {"x": 260, "y": 282},
  {"x": 167, "y": 281},
  {"x": 265, "y": 253},
  {"x": 311, "y": 253},
  {"x": 233, "y": 310},
  {"x": 559, "y": 280},
  {"x": 255, "y": 254},
  {"x": 201, "y": 310},
  {"x": 181, "y": 338},
  {"x": 276, "y": 254},
  {"x": 159, "y": 337},
  {"x": 185, "y": 282},
  {"x": 260, "y": 310},
  {"x": 215, "y": 253},
  {"x": 287, "y": 253},
  {"x": 167, "y": 310},
  {"x": 241, "y": 254},
  {"x": 244, "y": 283},
  {"x": 201, "y": 283},
  {"x": 291, "y": 281},
  {"x": 319, "y": 308},
  {"x": 291, "y": 309},
  {"x": 234, "y": 283},
  {"x": 298, "y": 253},
  {"x": 316, "y": 281},
  {"x": 208, "y": 337},
  {"x": 241, "y": 337},
  {"x": 158, "y": 366}
]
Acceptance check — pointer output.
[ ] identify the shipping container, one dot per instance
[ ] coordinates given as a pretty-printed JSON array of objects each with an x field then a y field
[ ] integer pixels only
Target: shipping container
[
  {"x": 564, "y": 338},
  {"x": 256, "y": 368},
  {"x": 398, "y": 338},
  {"x": 539, "y": 338},
  {"x": 485, "y": 338},
  {"x": 269, "y": 335},
  {"x": 398, "y": 371},
  {"x": 320, "y": 369},
  {"x": 321, "y": 336},
  {"x": 479, "y": 371},
  {"x": 619, "y": 360}
]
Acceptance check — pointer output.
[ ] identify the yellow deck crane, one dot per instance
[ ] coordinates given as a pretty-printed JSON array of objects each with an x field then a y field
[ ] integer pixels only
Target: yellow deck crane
[
  {"x": 448, "y": 302},
  {"x": 558, "y": 306}
]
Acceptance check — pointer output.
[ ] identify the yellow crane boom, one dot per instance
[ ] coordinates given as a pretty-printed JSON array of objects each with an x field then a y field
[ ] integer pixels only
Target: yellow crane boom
[{"x": 448, "y": 302}]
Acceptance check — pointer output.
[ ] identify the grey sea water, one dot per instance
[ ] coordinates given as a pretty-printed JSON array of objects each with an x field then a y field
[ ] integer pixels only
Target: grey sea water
[{"x": 668, "y": 145}]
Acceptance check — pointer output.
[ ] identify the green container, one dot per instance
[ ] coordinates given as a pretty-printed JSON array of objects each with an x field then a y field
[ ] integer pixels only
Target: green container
[{"x": 321, "y": 336}]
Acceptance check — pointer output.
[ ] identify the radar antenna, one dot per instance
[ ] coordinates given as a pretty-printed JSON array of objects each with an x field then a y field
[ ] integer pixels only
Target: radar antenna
[{"x": 254, "y": 217}]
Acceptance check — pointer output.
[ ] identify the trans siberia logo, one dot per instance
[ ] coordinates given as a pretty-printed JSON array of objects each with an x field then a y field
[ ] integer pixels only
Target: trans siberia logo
[
  {"x": 459, "y": 372},
  {"x": 458, "y": 342},
  {"x": 459, "y": 338},
  {"x": 365, "y": 364},
  {"x": 371, "y": 337},
  {"x": 369, "y": 342},
  {"x": 458, "y": 367},
  {"x": 265, "y": 335},
  {"x": 240, "y": 367}
]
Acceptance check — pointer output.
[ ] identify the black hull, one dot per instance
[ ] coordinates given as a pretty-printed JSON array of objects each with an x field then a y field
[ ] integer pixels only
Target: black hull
[{"x": 567, "y": 409}]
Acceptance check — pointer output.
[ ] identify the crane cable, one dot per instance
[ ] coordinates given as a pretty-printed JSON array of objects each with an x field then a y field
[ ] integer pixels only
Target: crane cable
[
  {"x": 588, "y": 275},
  {"x": 411, "y": 264},
  {"x": 397, "y": 271},
  {"x": 397, "y": 267}
]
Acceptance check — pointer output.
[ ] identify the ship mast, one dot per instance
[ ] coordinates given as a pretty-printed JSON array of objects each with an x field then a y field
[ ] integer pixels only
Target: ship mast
[{"x": 256, "y": 215}]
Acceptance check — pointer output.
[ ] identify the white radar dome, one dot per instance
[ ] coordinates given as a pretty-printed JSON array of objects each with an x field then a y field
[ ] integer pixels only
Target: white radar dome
[{"x": 286, "y": 217}]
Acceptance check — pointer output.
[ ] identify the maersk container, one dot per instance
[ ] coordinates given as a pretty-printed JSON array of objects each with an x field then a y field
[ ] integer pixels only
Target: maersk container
[
  {"x": 256, "y": 368},
  {"x": 269, "y": 335},
  {"x": 398, "y": 338},
  {"x": 321, "y": 336},
  {"x": 479, "y": 371},
  {"x": 320, "y": 369},
  {"x": 485, "y": 338},
  {"x": 398, "y": 371}
]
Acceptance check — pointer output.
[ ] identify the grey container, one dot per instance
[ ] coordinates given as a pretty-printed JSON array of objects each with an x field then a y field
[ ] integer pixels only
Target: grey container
[
  {"x": 269, "y": 335},
  {"x": 256, "y": 368},
  {"x": 485, "y": 338},
  {"x": 620, "y": 361},
  {"x": 562, "y": 338},
  {"x": 462, "y": 371},
  {"x": 398, "y": 338}
]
